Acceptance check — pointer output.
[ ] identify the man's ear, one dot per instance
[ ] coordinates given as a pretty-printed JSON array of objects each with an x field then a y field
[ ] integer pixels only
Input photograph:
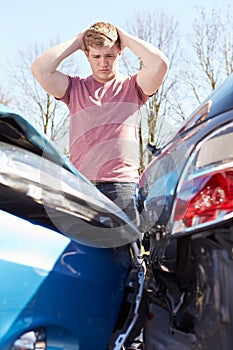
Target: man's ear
[
  {"x": 120, "y": 52},
  {"x": 87, "y": 54}
]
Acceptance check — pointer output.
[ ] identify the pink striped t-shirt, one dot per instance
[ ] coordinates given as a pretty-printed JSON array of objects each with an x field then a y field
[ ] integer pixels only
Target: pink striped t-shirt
[{"x": 104, "y": 121}]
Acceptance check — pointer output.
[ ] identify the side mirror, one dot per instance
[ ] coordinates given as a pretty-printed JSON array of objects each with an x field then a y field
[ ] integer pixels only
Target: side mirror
[{"x": 153, "y": 149}]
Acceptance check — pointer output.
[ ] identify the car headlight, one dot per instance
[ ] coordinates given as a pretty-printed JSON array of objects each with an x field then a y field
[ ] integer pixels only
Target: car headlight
[{"x": 204, "y": 194}]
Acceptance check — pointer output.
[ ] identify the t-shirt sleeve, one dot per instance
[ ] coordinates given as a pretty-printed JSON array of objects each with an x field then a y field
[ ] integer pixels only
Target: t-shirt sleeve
[
  {"x": 143, "y": 98},
  {"x": 66, "y": 97}
]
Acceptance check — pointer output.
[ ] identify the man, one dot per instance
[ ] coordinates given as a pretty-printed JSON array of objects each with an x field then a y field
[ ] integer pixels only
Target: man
[{"x": 104, "y": 107}]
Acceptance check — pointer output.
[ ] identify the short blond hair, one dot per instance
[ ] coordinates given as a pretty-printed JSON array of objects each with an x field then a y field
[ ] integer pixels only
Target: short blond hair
[{"x": 101, "y": 34}]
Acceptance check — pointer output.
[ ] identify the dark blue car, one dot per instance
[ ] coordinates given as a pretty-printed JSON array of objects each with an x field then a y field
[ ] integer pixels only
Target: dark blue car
[{"x": 186, "y": 205}]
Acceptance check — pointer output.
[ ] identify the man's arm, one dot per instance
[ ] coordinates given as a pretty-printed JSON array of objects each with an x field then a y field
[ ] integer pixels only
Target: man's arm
[
  {"x": 44, "y": 68},
  {"x": 155, "y": 63}
]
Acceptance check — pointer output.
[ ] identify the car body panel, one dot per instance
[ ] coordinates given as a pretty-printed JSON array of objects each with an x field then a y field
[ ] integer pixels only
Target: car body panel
[{"x": 47, "y": 279}]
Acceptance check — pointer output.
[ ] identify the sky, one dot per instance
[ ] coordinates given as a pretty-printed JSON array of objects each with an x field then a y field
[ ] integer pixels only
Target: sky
[{"x": 24, "y": 23}]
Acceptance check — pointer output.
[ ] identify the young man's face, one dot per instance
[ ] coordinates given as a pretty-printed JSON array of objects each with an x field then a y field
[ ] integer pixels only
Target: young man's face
[{"x": 104, "y": 62}]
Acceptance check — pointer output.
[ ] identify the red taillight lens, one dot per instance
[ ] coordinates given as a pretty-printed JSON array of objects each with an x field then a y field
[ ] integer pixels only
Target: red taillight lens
[{"x": 203, "y": 199}]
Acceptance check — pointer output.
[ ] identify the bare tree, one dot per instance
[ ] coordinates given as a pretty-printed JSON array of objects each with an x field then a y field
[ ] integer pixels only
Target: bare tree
[
  {"x": 42, "y": 109},
  {"x": 209, "y": 59},
  {"x": 161, "y": 31},
  {"x": 194, "y": 72}
]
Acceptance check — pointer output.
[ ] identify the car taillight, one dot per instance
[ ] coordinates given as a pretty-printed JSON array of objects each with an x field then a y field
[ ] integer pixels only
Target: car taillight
[
  {"x": 205, "y": 198},
  {"x": 204, "y": 194}
]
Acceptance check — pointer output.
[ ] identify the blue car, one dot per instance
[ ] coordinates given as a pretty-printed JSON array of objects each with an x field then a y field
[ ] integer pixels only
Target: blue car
[{"x": 69, "y": 271}]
